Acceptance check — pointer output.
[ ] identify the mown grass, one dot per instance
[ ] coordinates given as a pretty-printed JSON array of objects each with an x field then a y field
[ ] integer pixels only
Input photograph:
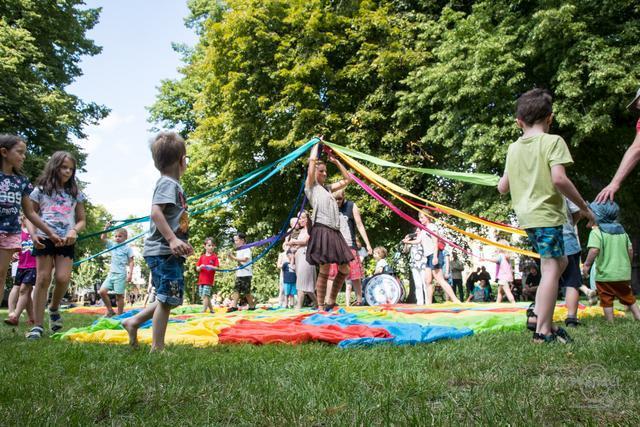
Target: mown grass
[{"x": 491, "y": 379}]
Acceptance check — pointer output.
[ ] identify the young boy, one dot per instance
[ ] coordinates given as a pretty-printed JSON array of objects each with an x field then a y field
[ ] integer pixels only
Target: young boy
[
  {"x": 289, "y": 279},
  {"x": 206, "y": 268},
  {"x": 243, "y": 275},
  {"x": 535, "y": 175},
  {"x": 166, "y": 246},
  {"x": 118, "y": 277},
  {"x": 610, "y": 246}
]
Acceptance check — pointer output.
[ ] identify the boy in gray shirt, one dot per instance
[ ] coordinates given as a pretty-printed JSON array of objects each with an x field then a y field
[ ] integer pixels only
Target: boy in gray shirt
[{"x": 166, "y": 247}]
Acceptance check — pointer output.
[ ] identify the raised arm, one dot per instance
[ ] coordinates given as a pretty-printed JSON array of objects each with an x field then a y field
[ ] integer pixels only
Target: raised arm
[
  {"x": 311, "y": 171},
  {"x": 345, "y": 173}
]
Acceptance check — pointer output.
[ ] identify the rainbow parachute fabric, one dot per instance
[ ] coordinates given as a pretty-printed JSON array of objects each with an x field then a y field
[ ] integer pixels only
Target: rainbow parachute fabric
[{"x": 346, "y": 327}]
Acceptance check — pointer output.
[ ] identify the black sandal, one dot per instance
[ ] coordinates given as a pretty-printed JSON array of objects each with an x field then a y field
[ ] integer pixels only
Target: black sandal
[
  {"x": 330, "y": 307},
  {"x": 562, "y": 336},
  {"x": 543, "y": 339},
  {"x": 572, "y": 322}
]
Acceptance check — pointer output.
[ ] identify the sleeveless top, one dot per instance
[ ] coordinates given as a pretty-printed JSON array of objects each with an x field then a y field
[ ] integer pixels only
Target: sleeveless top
[{"x": 325, "y": 207}]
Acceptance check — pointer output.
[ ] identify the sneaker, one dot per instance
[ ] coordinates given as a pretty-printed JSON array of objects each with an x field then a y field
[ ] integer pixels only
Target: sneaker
[
  {"x": 35, "y": 333},
  {"x": 55, "y": 320}
]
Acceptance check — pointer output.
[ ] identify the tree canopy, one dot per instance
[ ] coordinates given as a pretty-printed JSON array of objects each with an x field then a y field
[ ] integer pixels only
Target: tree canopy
[
  {"x": 41, "y": 43},
  {"x": 422, "y": 83}
]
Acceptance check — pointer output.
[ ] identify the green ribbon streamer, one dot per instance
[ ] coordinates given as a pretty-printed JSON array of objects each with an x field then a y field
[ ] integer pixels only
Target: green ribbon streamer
[{"x": 472, "y": 178}]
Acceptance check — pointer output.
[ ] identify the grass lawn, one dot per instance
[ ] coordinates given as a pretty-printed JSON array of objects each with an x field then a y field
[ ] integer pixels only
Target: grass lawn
[{"x": 495, "y": 378}]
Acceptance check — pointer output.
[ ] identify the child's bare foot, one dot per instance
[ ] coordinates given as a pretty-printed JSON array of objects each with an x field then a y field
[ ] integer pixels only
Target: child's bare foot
[{"x": 132, "y": 331}]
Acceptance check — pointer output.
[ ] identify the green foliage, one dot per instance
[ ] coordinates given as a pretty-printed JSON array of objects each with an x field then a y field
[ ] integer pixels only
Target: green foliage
[
  {"x": 424, "y": 83},
  {"x": 41, "y": 43}
]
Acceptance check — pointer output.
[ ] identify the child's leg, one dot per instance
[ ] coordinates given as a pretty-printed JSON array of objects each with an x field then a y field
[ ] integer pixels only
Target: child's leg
[
  {"x": 235, "y": 297},
  {"x": 300, "y": 299},
  {"x": 608, "y": 313},
  {"x": 120, "y": 303},
  {"x": 104, "y": 295},
  {"x": 347, "y": 293},
  {"x": 159, "y": 326},
  {"x": 206, "y": 302},
  {"x": 445, "y": 286},
  {"x": 5, "y": 261},
  {"x": 357, "y": 288},
  {"x": 251, "y": 301},
  {"x": 62, "y": 275},
  {"x": 499, "y": 297},
  {"x": 418, "y": 282},
  {"x": 44, "y": 266},
  {"x": 343, "y": 273},
  {"x": 509, "y": 294},
  {"x": 428, "y": 286},
  {"x": 13, "y": 298},
  {"x": 571, "y": 299},
  {"x": 551, "y": 269},
  {"x": 635, "y": 311},
  {"x": 132, "y": 324},
  {"x": 24, "y": 300},
  {"x": 282, "y": 298}
]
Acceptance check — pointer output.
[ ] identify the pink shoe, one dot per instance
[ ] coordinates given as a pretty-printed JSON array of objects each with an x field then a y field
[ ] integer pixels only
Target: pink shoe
[{"x": 11, "y": 321}]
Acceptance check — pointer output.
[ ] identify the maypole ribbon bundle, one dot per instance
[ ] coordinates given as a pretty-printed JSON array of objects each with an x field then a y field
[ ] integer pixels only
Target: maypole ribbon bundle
[
  {"x": 366, "y": 172},
  {"x": 371, "y": 176}
]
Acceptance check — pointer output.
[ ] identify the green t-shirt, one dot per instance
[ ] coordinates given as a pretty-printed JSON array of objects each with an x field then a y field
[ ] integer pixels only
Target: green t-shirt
[
  {"x": 612, "y": 263},
  {"x": 534, "y": 198}
]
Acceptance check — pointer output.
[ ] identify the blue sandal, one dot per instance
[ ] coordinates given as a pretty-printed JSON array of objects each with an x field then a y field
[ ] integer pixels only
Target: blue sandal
[{"x": 35, "y": 333}]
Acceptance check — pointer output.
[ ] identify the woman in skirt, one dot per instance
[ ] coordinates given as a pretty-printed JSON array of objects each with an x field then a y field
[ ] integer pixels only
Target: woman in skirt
[{"x": 326, "y": 245}]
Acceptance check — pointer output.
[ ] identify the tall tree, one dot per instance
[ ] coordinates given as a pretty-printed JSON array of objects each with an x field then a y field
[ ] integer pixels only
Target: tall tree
[{"x": 41, "y": 43}]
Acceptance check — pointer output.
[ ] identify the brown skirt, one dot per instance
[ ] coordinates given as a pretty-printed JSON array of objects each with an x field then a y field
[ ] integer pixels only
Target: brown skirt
[{"x": 327, "y": 246}]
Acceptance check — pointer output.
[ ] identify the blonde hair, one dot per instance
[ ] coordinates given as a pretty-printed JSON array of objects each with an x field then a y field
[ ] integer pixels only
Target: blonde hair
[
  {"x": 383, "y": 252},
  {"x": 167, "y": 149}
]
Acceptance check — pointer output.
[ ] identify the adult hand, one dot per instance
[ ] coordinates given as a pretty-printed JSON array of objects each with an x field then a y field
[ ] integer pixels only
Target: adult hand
[
  {"x": 369, "y": 250},
  {"x": 607, "y": 193}
]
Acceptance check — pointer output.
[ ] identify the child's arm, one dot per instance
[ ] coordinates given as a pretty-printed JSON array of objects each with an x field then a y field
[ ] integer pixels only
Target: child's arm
[
  {"x": 178, "y": 247},
  {"x": 470, "y": 298},
  {"x": 503, "y": 184},
  {"x": 30, "y": 209},
  {"x": 81, "y": 221},
  {"x": 104, "y": 237},
  {"x": 591, "y": 256},
  {"x": 345, "y": 173},
  {"x": 562, "y": 182}
]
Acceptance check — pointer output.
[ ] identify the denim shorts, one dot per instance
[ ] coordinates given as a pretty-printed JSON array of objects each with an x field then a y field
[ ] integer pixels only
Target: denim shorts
[
  {"x": 440, "y": 263},
  {"x": 167, "y": 274},
  {"x": 547, "y": 241}
]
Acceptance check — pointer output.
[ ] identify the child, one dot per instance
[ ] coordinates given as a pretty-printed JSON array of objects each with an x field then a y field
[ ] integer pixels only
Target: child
[
  {"x": 243, "y": 275},
  {"x": 611, "y": 247},
  {"x": 571, "y": 279},
  {"x": 166, "y": 246},
  {"x": 289, "y": 278},
  {"x": 206, "y": 266},
  {"x": 61, "y": 205},
  {"x": 118, "y": 277},
  {"x": 25, "y": 279},
  {"x": 380, "y": 255},
  {"x": 535, "y": 175},
  {"x": 504, "y": 274},
  {"x": 14, "y": 196},
  {"x": 480, "y": 292}
]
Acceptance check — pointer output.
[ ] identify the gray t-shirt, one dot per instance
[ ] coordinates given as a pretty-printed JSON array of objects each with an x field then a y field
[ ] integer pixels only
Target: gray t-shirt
[
  {"x": 325, "y": 207},
  {"x": 168, "y": 192},
  {"x": 57, "y": 210},
  {"x": 569, "y": 234}
]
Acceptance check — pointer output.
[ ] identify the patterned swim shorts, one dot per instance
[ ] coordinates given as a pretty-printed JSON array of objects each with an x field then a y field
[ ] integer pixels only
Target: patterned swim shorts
[{"x": 547, "y": 241}]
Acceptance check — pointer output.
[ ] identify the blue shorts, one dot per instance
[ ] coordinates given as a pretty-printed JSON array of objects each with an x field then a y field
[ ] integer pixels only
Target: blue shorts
[
  {"x": 205, "y": 290},
  {"x": 440, "y": 263},
  {"x": 547, "y": 241},
  {"x": 167, "y": 274},
  {"x": 115, "y": 282},
  {"x": 290, "y": 289}
]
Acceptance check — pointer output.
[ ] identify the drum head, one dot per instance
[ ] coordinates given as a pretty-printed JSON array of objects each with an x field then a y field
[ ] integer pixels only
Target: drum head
[{"x": 383, "y": 289}]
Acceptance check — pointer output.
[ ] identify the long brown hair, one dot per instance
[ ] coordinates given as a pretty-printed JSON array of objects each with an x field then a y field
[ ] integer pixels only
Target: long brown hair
[
  {"x": 9, "y": 141},
  {"x": 50, "y": 181}
]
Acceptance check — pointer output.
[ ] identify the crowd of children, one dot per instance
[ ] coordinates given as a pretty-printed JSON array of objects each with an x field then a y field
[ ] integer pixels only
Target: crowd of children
[{"x": 546, "y": 203}]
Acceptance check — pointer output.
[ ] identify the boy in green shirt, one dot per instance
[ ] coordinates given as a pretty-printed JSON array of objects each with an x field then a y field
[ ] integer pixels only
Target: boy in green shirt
[
  {"x": 610, "y": 246},
  {"x": 535, "y": 176}
]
